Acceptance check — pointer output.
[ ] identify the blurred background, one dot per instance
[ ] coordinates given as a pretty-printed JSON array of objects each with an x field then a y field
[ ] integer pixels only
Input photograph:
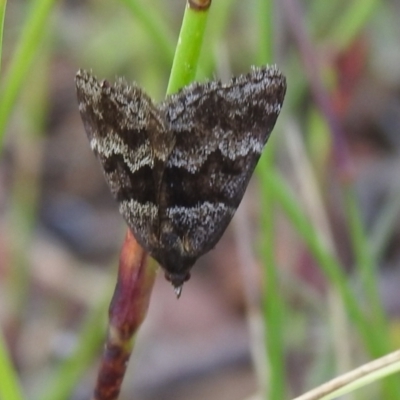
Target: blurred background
[{"x": 304, "y": 283}]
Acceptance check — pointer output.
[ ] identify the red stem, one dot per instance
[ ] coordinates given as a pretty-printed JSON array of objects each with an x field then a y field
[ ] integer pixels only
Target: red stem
[{"x": 127, "y": 311}]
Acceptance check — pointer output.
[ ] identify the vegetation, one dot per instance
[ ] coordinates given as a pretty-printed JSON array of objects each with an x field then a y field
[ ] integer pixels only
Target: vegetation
[{"x": 321, "y": 262}]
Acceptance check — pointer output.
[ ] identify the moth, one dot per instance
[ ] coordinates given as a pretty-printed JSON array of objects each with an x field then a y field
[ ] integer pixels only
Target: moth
[{"x": 179, "y": 168}]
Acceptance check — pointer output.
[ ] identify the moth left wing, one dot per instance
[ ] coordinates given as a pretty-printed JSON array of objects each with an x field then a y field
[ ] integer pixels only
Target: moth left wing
[{"x": 119, "y": 121}]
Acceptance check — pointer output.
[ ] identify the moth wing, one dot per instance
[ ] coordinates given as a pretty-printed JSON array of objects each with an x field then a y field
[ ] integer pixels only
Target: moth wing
[
  {"x": 220, "y": 132},
  {"x": 117, "y": 119}
]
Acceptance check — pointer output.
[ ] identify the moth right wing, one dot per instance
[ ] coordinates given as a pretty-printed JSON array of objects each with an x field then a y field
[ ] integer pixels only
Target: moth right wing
[{"x": 220, "y": 131}]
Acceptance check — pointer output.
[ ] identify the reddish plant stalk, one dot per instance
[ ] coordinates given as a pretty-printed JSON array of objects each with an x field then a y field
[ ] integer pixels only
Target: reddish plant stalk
[{"x": 126, "y": 313}]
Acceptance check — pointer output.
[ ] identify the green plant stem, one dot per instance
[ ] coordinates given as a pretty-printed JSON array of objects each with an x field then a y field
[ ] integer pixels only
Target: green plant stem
[
  {"x": 347, "y": 383},
  {"x": 273, "y": 306},
  {"x": 365, "y": 262},
  {"x": 31, "y": 36},
  {"x": 188, "y": 49},
  {"x": 3, "y": 4},
  {"x": 352, "y": 21},
  {"x": 385, "y": 225},
  {"x": 369, "y": 333},
  {"x": 328, "y": 263},
  {"x": 9, "y": 385}
]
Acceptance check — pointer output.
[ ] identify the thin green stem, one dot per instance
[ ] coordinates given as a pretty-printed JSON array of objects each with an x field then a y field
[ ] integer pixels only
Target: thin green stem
[
  {"x": 327, "y": 262},
  {"x": 31, "y": 36},
  {"x": 365, "y": 264},
  {"x": 188, "y": 49},
  {"x": 3, "y": 4},
  {"x": 273, "y": 304},
  {"x": 384, "y": 226},
  {"x": 9, "y": 387},
  {"x": 352, "y": 21}
]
